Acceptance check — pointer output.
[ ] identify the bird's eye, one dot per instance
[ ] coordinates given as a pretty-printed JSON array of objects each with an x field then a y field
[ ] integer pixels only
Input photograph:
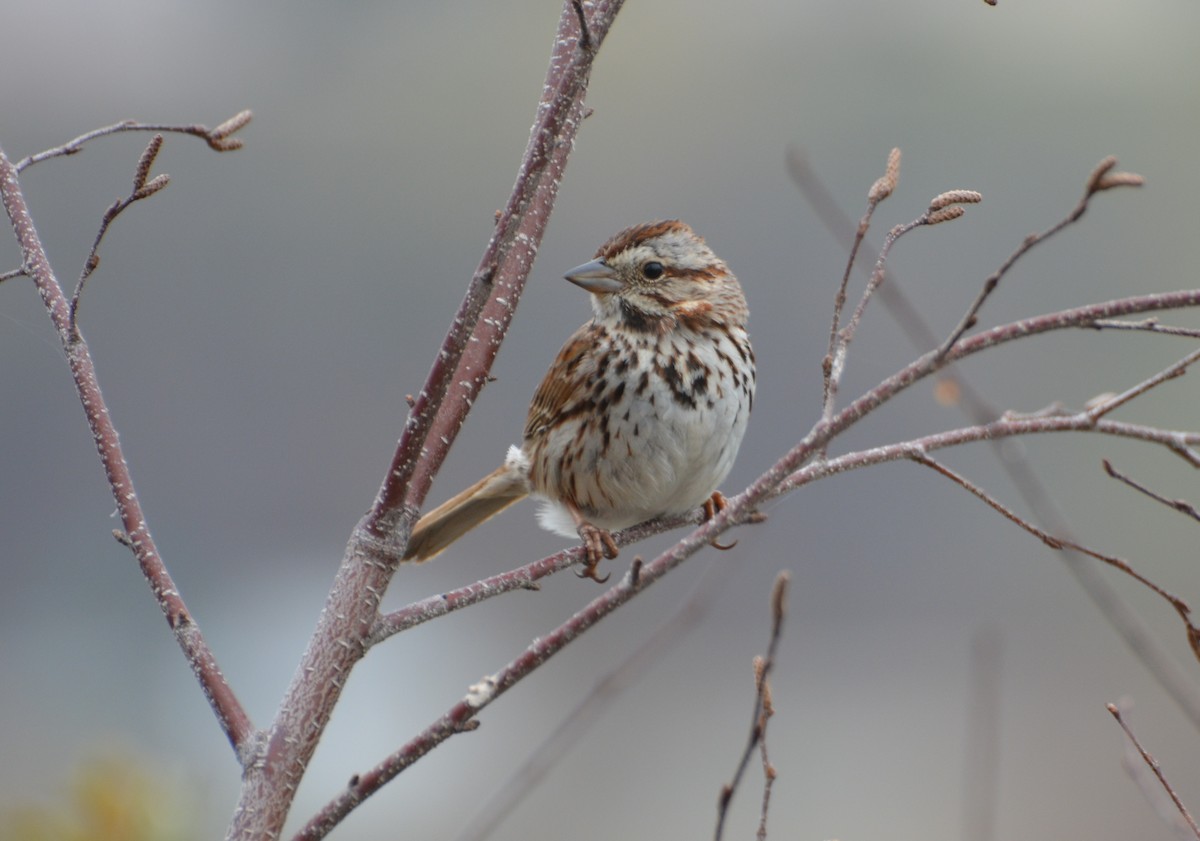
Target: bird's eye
[{"x": 652, "y": 270}]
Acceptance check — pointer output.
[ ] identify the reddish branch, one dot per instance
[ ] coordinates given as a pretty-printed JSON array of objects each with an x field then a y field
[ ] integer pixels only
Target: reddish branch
[
  {"x": 764, "y": 708},
  {"x": 230, "y": 714},
  {"x": 219, "y": 139},
  {"x": 1060, "y": 544},
  {"x": 1180, "y": 505},
  {"x": 1156, "y": 769}
]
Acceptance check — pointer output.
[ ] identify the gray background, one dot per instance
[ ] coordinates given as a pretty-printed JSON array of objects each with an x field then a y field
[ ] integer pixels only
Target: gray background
[{"x": 257, "y": 325}]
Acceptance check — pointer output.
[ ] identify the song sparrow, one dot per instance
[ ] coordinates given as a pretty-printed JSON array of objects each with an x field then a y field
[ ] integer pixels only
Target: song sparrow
[{"x": 641, "y": 413}]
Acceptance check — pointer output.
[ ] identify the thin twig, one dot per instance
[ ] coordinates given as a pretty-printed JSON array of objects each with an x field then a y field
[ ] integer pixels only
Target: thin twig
[
  {"x": 231, "y": 716},
  {"x": 768, "y": 769},
  {"x": 1180, "y": 505},
  {"x": 1102, "y": 178},
  {"x": 943, "y": 208},
  {"x": 143, "y": 188},
  {"x": 1103, "y": 407},
  {"x": 879, "y": 191},
  {"x": 1149, "y": 325},
  {"x": 219, "y": 139},
  {"x": 998, "y": 430},
  {"x": 1152, "y": 763},
  {"x": 762, "y": 710},
  {"x": 11, "y": 273},
  {"x": 1181, "y": 607},
  {"x": 837, "y": 362}
]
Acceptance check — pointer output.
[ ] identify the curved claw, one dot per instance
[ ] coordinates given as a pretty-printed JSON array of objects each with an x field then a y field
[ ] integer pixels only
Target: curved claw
[
  {"x": 598, "y": 544},
  {"x": 589, "y": 571},
  {"x": 724, "y": 547}
]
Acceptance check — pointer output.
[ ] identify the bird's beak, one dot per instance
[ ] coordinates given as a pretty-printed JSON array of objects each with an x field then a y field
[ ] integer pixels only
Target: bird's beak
[{"x": 596, "y": 277}]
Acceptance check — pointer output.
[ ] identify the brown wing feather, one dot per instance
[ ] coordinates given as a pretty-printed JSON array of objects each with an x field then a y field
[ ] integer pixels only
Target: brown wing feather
[{"x": 562, "y": 381}]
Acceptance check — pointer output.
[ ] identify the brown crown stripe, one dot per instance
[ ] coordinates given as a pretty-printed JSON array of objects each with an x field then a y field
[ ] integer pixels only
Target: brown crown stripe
[{"x": 638, "y": 234}]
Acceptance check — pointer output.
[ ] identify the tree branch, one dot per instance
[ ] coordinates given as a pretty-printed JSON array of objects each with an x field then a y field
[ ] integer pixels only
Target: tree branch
[
  {"x": 1153, "y": 765},
  {"x": 1180, "y": 505},
  {"x": 230, "y": 715},
  {"x": 763, "y": 710},
  {"x": 219, "y": 139},
  {"x": 143, "y": 188},
  {"x": 1102, "y": 178},
  {"x": 1057, "y": 543}
]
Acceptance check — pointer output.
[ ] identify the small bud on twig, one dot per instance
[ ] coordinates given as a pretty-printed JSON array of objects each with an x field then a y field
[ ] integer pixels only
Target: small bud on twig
[
  {"x": 955, "y": 197},
  {"x": 883, "y": 188},
  {"x": 220, "y": 138},
  {"x": 146, "y": 161},
  {"x": 946, "y": 214},
  {"x": 235, "y": 123},
  {"x": 151, "y": 187},
  {"x": 1103, "y": 178}
]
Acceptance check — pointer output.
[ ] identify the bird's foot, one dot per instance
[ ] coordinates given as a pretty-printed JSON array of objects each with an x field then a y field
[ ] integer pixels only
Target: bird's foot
[
  {"x": 713, "y": 506},
  {"x": 598, "y": 545}
]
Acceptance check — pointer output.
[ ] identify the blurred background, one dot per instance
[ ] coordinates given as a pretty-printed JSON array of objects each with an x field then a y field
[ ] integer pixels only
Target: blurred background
[{"x": 257, "y": 325}]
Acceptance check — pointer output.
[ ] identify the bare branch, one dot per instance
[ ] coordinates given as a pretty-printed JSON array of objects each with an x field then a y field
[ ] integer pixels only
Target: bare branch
[
  {"x": 1152, "y": 763},
  {"x": 230, "y": 714},
  {"x": 763, "y": 709},
  {"x": 11, "y": 273},
  {"x": 879, "y": 191},
  {"x": 943, "y": 208},
  {"x": 522, "y": 578},
  {"x": 1180, "y": 505},
  {"x": 998, "y": 430},
  {"x": 142, "y": 189},
  {"x": 1149, "y": 325},
  {"x": 218, "y": 139},
  {"x": 1099, "y": 180},
  {"x": 1104, "y": 407},
  {"x": 1181, "y": 607}
]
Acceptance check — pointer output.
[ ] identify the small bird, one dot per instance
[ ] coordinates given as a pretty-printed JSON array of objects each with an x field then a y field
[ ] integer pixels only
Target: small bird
[{"x": 643, "y": 410}]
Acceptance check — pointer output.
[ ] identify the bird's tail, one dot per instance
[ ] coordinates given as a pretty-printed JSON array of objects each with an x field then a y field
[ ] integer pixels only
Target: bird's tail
[{"x": 459, "y": 514}]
